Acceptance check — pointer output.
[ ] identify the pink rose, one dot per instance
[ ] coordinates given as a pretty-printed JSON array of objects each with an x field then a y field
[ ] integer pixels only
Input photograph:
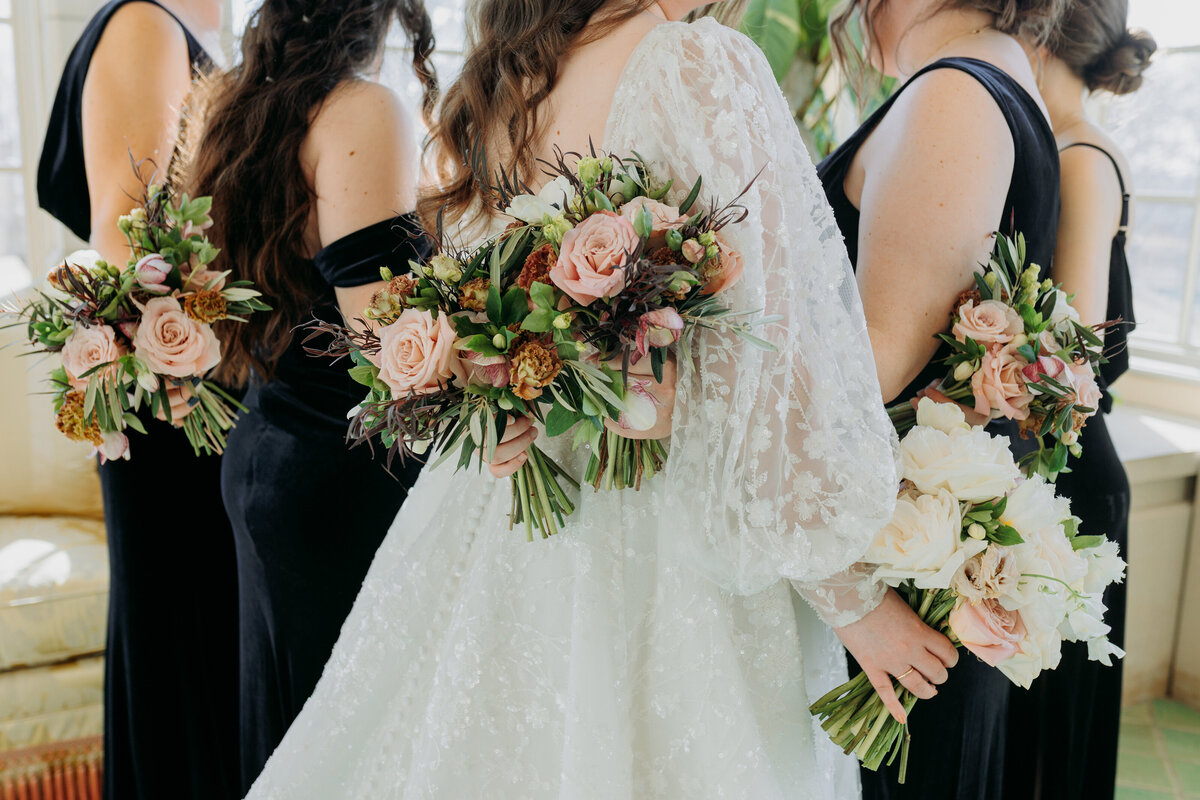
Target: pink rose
[
  {"x": 87, "y": 348},
  {"x": 990, "y": 321},
  {"x": 151, "y": 272},
  {"x": 592, "y": 258},
  {"x": 417, "y": 353},
  {"x": 662, "y": 218},
  {"x": 727, "y": 270},
  {"x": 114, "y": 447},
  {"x": 998, "y": 384},
  {"x": 693, "y": 251},
  {"x": 1083, "y": 379},
  {"x": 1047, "y": 344},
  {"x": 174, "y": 344},
  {"x": 1051, "y": 367},
  {"x": 988, "y": 630},
  {"x": 661, "y": 327},
  {"x": 484, "y": 370}
]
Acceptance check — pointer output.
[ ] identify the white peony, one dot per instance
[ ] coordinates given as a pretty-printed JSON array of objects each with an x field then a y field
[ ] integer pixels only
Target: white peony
[
  {"x": 945, "y": 417},
  {"x": 1041, "y": 649},
  {"x": 1105, "y": 566},
  {"x": 922, "y": 541},
  {"x": 972, "y": 465}
]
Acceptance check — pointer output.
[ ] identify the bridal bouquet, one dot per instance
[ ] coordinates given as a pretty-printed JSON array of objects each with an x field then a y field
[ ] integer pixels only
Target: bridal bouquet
[
  {"x": 124, "y": 335},
  {"x": 1019, "y": 351},
  {"x": 595, "y": 274},
  {"x": 989, "y": 557}
]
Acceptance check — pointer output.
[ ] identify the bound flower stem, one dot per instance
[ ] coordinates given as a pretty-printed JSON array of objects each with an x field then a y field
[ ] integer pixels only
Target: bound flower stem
[
  {"x": 539, "y": 499},
  {"x": 904, "y": 416},
  {"x": 623, "y": 463},
  {"x": 853, "y": 714}
]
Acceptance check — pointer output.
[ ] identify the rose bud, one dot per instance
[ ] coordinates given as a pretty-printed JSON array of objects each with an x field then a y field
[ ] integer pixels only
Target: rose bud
[
  {"x": 693, "y": 251},
  {"x": 659, "y": 328},
  {"x": 113, "y": 447},
  {"x": 152, "y": 272}
]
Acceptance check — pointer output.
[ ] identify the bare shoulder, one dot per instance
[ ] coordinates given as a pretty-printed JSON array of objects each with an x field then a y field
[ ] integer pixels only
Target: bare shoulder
[
  {"x": 139, "y": 31},
  {"x": 1081, "y": 162},
  {"x": 356, "y": 107},
  {"x": 952, "y": 98}
]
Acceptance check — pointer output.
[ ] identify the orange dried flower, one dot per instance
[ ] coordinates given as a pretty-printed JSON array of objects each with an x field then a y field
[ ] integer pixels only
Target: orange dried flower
[
  {"x": 969, "y": 294},
  {"x": 205, "y": 306},
  {"x": 472, "y": 295},
  {"x": 402, "y": 286},
  {"x": 535, "y": 364},
  {"x": 72, "y": 423},
  {"x": 537, "y": 267}
]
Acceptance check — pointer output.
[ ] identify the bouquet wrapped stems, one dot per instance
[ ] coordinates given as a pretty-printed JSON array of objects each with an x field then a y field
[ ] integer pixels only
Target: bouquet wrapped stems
[
  {"x": 853, "y": 714},
  {"x": 619, "y": 462},
  {"x": 904, "y": 416},
  {"x": 539, "y": 500}
]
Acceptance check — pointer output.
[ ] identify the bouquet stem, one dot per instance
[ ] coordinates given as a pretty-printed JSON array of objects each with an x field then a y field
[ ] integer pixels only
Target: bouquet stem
[
  {"x": 539, "y": 500},
  {"x": 904, "y": 416},
  {"x": 211, "y": 417},
  {"x": 853, "y": 714},
  {"x": 622, "y": 463}
]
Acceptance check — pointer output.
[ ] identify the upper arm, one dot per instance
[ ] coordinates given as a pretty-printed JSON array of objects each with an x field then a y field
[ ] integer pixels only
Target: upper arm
[
  {"x": 937, "y": 172},
  {"x": 364, "y": 160},
  {"x": 1091, "y": 212},
  {"x": 137, "y": 82},
  {"x": 364, "y": 165}
]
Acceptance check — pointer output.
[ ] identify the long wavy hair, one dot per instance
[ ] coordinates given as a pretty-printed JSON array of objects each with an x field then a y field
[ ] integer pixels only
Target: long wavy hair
[
  {"x": 515, "y": 48},
  {"x": 1033, "y": 21},
  {"x": 255, "y": 118}
]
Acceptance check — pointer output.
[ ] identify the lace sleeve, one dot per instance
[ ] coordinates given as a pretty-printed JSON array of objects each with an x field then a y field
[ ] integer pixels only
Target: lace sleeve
[{"x": 789, "y": 456}]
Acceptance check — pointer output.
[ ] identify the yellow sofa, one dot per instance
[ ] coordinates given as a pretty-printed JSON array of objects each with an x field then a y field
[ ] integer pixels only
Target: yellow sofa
[{"x": 53, "y": 593}]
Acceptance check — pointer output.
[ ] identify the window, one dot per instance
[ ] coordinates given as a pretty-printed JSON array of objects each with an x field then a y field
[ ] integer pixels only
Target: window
[
  {"x": 16, "y": 184},
  {"x": 1158, "y": 128}
]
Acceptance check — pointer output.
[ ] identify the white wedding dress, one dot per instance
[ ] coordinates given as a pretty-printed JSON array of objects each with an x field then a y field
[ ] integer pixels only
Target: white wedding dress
[{"x": 654, "y": 648}]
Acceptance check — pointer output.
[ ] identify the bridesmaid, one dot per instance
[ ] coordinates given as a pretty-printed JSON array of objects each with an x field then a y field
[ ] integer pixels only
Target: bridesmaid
[
  {"x": 308, "y": 163},
  {"x": 1062, "y": 739},
  {"x": 170, "y": 687},
  {"x": 962, "y": 149}
]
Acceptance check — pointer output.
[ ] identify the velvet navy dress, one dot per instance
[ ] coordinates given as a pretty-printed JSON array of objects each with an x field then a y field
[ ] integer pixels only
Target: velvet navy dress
[
  {"x": 958, "y": 737},
  {"x": 308, "y": 511},
  {"x": 1062, "y": 742},
  {"x": 170, "y": 686}
]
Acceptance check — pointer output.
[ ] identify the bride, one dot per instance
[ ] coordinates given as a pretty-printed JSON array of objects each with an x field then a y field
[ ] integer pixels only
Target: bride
[{"x": 654, "y": 648}]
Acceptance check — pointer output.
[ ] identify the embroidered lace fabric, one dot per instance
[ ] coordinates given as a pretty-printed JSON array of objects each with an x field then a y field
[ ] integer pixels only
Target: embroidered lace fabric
[{"x": 655, "y": 647}]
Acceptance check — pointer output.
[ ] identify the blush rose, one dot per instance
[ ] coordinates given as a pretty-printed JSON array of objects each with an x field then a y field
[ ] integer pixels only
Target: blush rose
[{"x": 592, "y": 258}]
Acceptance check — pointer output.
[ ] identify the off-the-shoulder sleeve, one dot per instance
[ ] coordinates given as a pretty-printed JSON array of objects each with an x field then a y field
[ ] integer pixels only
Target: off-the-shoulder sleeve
[
  {"x": 355, "y": 259},
  {"x": 787, "y": 457}
]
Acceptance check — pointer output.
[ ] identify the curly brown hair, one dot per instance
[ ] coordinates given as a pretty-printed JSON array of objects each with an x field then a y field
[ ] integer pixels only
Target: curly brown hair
[{"x": 256, "y": 117}]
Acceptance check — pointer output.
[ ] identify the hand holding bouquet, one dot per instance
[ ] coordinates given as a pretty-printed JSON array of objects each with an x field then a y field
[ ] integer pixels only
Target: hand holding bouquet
[
  {"x": 545, "y": 321},
  {"x": 1019, "y": 351},
  {"x": 128, "y": 336},
  {"x": 991, "y": 558}
]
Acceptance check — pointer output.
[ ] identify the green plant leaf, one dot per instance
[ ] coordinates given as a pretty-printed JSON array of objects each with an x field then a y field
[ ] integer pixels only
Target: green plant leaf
[
  {"x": 560, "y": 420},
  {"x": 774, "y": 25}
]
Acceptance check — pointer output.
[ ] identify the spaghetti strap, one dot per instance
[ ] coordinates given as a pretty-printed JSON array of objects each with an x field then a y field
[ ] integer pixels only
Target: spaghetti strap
[{"x": 1120, "y": 179}]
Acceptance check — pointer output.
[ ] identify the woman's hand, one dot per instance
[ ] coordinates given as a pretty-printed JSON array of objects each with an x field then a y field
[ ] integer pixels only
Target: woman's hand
[
  {"x": 973, "y": 417},
  {"x": 180, "y": 396},
  {"x": 510, "y": 455},
  {"x": 662, "y": 395},
  {"x": 892, "y": 641}
]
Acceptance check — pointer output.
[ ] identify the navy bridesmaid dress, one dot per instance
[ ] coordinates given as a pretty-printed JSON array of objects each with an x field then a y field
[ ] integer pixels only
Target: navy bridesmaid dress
[
  {"x": 308, "y": 511},
  {"x": 170, "y": 686},
  {"x": 958, "y": 737}
]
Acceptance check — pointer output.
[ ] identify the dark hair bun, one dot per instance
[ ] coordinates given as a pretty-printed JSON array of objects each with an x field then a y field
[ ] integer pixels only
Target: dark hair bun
[{"x": 1120, "y": 69}]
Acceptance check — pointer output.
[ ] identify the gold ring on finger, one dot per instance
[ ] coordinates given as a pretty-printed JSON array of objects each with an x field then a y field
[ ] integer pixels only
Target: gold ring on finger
[{"x": 905, "y": 674}]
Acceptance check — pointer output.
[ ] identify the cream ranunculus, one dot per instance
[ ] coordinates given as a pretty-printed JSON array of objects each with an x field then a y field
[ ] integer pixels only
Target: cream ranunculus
[
  {"x": 972, "y": 465},
  {"x": 945, "y": 417},
  {"x": 922, "y": 541}
]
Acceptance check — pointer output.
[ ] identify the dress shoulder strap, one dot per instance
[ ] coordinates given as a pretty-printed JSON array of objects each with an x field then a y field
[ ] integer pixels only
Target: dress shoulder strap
[{"x": 1120, "y": 179}]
